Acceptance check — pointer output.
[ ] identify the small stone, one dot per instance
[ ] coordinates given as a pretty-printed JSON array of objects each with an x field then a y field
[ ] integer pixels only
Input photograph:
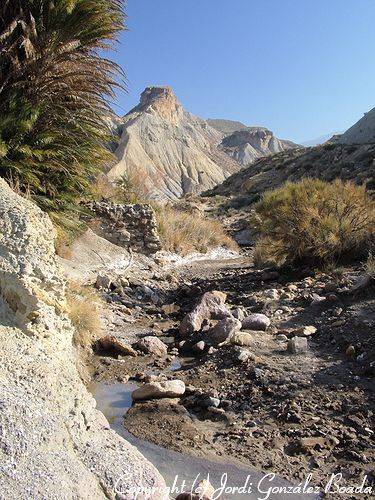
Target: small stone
[
  {"x": 243, "y": 355},
  {"x": 297, "y": 345},
  {"x": 239, "y": 313},
  {"x": 271, "y": 294},
  {"x": 209, "y": 401},
  {"x": 170, "y": 308},
  {"x": 281, "y": 338},
  {"x": 305, "y": 331},
  {"x": 110, "y": 343},
  {"x": 350, "y": 351},
  {"x": 308, "y": 444},
  {"x": 270, "y": 276},
  {"x": 242, "y": 339},
  {"x": 199, "y": 347}
]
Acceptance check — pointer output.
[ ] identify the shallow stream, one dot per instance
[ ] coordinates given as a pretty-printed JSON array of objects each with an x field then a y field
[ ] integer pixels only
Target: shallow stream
[{"x": 114, "y": 400}]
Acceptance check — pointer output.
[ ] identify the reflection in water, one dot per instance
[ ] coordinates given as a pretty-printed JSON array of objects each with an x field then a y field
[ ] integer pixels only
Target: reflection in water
[{"x": 114, "y": 400}]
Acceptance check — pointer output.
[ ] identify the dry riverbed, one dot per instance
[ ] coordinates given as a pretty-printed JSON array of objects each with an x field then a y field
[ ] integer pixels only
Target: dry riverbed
[{"x": 260, "y": 404}]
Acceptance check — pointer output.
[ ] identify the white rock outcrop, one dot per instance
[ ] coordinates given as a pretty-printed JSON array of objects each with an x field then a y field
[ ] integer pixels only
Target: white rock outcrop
[{"x": 53, "y": 442}]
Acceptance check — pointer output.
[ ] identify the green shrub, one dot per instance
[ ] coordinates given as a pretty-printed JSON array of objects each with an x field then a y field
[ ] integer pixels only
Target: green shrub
[
  {"x": 54, "y": 87},
  {"x": 314, "y": 222}
]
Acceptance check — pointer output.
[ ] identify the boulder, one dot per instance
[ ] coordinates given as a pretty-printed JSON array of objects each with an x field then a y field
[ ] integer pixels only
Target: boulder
[
  {"x": 152, "y": 345},
  {"x": 297, "y": 345},
  {"x": 223, "y": 330},
  {"x": 257, "y": 322},
  {"x": 211, "y": 306},
  {"x": 158, "y": 390},
  {"x": 112, "y": 344}
]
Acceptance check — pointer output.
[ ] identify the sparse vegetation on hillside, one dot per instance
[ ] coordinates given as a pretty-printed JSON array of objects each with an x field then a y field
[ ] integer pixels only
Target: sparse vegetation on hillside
[
  {"x": 184, "y": 232},
  {"x": 314, "y": 222},
  {"x": 54, "y": 86}
]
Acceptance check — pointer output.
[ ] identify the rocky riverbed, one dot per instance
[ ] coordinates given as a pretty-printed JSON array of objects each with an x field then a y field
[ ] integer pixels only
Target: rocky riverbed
[{"x": 293, "y": 395}]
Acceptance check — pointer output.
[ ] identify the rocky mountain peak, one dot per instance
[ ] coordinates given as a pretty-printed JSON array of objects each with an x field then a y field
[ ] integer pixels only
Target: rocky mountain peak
[{"x": 162, "y": 101}]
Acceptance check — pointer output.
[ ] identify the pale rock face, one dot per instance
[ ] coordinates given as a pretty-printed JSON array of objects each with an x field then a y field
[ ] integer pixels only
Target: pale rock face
[
  {"x": 173, "y": 151},
  {"x": 53, "y": 443}
]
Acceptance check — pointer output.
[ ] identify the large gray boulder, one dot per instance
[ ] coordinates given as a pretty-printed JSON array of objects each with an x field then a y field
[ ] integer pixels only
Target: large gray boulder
[{"x": 54, "y": 443}]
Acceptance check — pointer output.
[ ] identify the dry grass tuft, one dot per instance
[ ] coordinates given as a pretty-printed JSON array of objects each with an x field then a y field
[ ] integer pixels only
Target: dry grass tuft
[
  {"x": 84, "y": 312},
  {"x": 314, "y": 222},
  {"x": 183, "y": 233}
]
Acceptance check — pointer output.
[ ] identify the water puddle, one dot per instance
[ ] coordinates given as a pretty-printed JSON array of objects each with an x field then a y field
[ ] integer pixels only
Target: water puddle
[{"x": 114, "y": 400}]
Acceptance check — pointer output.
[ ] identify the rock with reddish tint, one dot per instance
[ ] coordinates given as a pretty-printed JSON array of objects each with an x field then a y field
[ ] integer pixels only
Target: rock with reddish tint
[
  {"x": 115, "y": 346},
  {"x": 257, "y": 322},
  {"x": 152, "y": 345},
  {"x": 211, "y": 306},
  {"x": 223, "y": 330}
]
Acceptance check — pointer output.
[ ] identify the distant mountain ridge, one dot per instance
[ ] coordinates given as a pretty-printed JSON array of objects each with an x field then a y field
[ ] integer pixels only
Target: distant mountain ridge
[{"x": 246, "y": 144}]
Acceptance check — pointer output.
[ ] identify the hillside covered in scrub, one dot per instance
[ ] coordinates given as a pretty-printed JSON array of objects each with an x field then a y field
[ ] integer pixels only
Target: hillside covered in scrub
[{"x": 329, "y": 161}]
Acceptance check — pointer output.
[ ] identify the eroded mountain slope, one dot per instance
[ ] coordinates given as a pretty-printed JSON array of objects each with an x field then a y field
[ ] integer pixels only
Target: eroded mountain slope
[{"x": 171, "y": 150}]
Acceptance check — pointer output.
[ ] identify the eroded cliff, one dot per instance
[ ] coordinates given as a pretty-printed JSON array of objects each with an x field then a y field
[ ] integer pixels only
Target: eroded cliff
[{"x": 53, "y": 442}]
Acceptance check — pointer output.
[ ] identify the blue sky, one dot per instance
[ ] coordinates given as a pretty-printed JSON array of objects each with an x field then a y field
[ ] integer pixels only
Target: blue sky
[{"x": 303, "y": 68}]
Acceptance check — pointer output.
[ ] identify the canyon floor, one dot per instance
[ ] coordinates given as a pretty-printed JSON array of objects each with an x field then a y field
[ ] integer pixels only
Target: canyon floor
[{"x": 260, "y": 404}]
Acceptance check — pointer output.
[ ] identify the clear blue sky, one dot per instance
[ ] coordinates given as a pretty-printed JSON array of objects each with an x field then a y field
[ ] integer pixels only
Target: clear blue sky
[{"x": 303, "y": 68}]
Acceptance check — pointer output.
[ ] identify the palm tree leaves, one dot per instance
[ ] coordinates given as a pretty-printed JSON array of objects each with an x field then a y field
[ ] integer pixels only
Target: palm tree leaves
[{"x": 54, "y": 92}]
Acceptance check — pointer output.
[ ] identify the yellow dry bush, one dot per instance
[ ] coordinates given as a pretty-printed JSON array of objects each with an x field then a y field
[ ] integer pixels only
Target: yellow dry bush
[
  {"x": 314, "y": 222},
  {"x": 183, "y": 232},
  {"x": 84, "y": 312}
]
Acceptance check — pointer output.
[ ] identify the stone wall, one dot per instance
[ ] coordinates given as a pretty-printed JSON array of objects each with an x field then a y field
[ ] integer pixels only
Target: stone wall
[{"x": 130, "y": 226}]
